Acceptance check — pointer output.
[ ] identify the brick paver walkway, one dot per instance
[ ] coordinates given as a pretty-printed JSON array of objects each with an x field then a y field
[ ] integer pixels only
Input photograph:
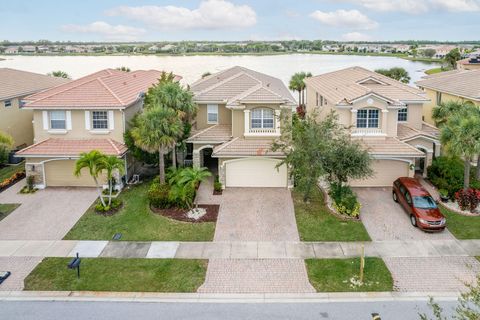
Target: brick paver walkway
[{"x": 20, "y": 268}]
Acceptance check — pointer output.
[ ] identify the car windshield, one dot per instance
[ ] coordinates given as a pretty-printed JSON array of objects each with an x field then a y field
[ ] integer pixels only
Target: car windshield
[{"x": 424, "y": 202}]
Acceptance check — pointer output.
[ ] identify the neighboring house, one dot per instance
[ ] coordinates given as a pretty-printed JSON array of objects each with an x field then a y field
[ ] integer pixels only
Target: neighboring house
[
  {"x": 237, "y": 122},
  {"x": 455, "y": 85},
  {"x": 90, "y": 113},
  {"x": 471, "y": 63},
  {"x": 14, "y": 85},
  {"x": 11, "y": 50},
  {"x": 384, "y": 114}
]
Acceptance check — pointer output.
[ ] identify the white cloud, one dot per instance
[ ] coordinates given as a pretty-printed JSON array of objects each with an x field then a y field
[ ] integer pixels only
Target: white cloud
[
  {"x": 211, "y": 14},
  {"x": 345, "y": 18},
  {"x": 108, "y": 31},
  {"x": 419, "y": 6},
  {"x": 356, "y": 36}
]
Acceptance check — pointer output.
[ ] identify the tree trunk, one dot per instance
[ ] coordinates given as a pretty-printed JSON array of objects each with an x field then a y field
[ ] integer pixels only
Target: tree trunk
[
  {"x": 303, "y": 97},
  {"x": 299, "y": 97},
  {"x": 161, "y": 165},
  {"x": 174, "y": 156},
  {"x": 477, "y": 174},
  {"x": 110, "y": 189},
  {"x": 466, "y": 174},
  {"x": 99, "y": 192}
]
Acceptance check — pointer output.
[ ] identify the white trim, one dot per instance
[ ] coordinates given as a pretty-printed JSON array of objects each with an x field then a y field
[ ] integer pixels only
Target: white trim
[
  {"x": 370, "y": 95},
  {"x": 99, "y": 131},
  {"x": 45, "y": 120},
  {"x": 68, "y": 119},
  {"x": 419, "y": 146},
  {"x": 421, "y": 136},
  {"x": 87, "y": 119},
  {"x": 111, "y": 120},
  {"x": 204, "y": 147},
  {"x": 57, "y": 131}
]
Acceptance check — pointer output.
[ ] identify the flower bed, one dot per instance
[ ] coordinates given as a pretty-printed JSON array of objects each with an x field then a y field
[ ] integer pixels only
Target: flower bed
[
  {"x": 7, "y": 183},
  {"x": 330, "y": 204},
  {"x": 181, "y": 214},
  {"x": 454, "y": 207}
]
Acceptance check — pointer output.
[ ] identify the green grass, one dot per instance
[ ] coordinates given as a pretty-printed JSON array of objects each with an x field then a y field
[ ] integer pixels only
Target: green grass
[
  {"x": 109, "y": 274},
  {"x": 136, "y": 222},
  {"x": 6, "y": 209},
  {"x": 333, "y": 275},
  {"x": 8, "y": 171},
  {"x": 316, "y": 223},
  {"x": 462, "y": 227},
  {"x": 434, "y": 70}
]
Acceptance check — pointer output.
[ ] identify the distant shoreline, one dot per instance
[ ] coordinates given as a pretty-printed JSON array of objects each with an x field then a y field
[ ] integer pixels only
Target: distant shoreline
[{"x": 372, "y": 54}]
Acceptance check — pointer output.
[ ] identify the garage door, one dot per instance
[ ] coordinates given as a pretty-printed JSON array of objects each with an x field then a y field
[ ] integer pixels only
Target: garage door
[
  {"x": 60, "y": 174},
  {"x": 255, "y": 173},
  {"x": 385, "y": 172}
]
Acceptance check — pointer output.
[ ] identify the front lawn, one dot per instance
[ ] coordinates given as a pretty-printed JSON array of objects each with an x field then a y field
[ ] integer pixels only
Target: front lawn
[
  {"x": 462, "y": 227},
  {"x": 136, "y": 222},
  {"x": 8, "y": 171},
  {"x": 6, "y": 209},
  {"x": 316, "y": 223},
  {"x": 334, "y": 275},
  {"x": 126, "y": 275}
]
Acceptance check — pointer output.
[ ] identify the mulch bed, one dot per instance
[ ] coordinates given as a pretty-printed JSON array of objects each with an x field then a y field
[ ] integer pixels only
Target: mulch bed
[
  {"x": 110, "y": 212},
  {"x": 181, "y": 214},
  {"x": 12, "y": 180},
  {"x": 217, "y": 193}
]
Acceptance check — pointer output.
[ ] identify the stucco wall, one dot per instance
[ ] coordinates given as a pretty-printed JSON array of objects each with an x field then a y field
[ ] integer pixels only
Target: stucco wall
[
  {"x": 17, "y": 122},
  {"x": 224, "y": 116}
]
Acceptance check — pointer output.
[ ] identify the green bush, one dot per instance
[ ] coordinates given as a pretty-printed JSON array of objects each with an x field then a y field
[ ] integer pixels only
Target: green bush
[
  {"x": 158, "y": 195},
  {"x": 217, "y": 186},
  {"x": 345, "y": 200},
  {"x": 116, "y": 203}
]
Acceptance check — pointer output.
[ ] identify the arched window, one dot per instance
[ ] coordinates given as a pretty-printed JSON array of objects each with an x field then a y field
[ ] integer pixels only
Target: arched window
[
  {"x": 367, "y": 118},
  {"x": 262, "y": 118}
]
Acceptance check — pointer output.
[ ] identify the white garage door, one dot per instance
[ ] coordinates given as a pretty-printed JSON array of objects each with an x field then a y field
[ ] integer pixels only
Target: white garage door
[
  {"x": 253, "y": 172},
  {"x": 385, "y": 172}
]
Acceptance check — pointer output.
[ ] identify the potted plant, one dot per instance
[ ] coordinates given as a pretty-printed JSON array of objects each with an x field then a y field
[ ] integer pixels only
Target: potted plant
[{"x": 443, "y": 195}]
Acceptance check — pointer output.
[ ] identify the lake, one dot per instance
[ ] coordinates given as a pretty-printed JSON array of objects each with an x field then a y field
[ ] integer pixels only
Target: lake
[{"x": 192, "y": 67}]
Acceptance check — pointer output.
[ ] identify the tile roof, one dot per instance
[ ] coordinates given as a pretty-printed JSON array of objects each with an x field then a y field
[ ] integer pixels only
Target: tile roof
[
  {"x": 389, "y": 146},
  {"x": 404, "y": 131},
  {"x": 246, "y": 147},
  {"x": 236, "y": 84},
  {"x": 349, "y": 84},
  {"x": 72, "y": 147},
  {"x": 18, "y": 83},
  {"x": 464, "y": 83},
  {"x": 106, "y": 88},
  {"x": 215, "y": 134}
]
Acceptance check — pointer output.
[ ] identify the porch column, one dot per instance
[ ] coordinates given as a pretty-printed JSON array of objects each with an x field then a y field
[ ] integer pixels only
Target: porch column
[
  {"x": 196, "y": 158},
  {"x": 277, "y": 121},
  {"x": 246, "y": 119},
  {"x": 354, "y": 118},
  {"x": 428, "y": 162},
  {"x": 384, "y": 120}
]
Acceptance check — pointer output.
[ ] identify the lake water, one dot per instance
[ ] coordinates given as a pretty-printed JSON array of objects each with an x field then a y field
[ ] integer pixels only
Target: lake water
[{"x": 192, "y": 67}]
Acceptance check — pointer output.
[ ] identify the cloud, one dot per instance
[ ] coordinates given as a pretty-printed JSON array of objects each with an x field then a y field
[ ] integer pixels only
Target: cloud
[
  {"x": 211, "y": 14},
  {"x": 119, "y": 32},
  {"x": 345, "y": 18},
  {"x": 419, "y": 6},
  {"x": 356, "y": 36}
]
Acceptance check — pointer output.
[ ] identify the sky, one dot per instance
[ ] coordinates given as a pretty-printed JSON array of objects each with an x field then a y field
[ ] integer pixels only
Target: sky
[{"x": 239, "y": 20}]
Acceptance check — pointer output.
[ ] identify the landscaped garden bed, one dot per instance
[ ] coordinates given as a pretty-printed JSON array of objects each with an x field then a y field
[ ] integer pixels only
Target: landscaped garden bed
[
  {"x": 180, "y": 214},
  {"x": 124, "y": 275},
  {"x": 343, "y": 275},
  {"x": 9, "y": 175},
  {"x": 315, "y": 222}
]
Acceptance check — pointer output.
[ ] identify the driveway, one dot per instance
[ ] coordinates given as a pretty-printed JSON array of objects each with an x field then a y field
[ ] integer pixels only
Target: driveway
[{"x": 45, "y": 215}]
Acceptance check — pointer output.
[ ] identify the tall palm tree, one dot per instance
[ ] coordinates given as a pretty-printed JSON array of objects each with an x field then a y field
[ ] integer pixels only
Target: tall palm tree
[
  {"x": 110, "y": 164},
  {"x": 92, "y": 161},
  {"x": 59, "y": 74},
  {"x": 157, "y": 131},
  {"x": 297, "y": 84}
]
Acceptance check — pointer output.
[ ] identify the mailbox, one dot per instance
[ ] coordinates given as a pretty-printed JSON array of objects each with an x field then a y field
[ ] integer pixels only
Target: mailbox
[
  {"x": 75, "y": 264},
  {"x": 4, "y": 275}
]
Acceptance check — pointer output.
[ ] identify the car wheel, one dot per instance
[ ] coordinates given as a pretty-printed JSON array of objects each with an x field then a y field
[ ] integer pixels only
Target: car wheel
[
  {"x": 394, "y": 196},
  {"x": 413, "y": 220}
]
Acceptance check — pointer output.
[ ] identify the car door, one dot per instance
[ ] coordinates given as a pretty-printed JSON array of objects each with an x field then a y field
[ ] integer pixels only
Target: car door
[
  {"x": 408, "y": 202},
  {"x": 401, "y": 196}
]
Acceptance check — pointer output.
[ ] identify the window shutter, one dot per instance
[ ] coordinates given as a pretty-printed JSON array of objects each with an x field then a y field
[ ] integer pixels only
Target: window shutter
[
  {"x": 87, "y": 120},
  {"x": 69, "y": 119},
  {"x": 45, "y": 120},
  {"x": 111, "y": 120}
]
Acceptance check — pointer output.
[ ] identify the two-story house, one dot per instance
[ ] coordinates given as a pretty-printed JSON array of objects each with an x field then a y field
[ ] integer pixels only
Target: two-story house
[
  {"x": 385, "y": 114},
  {"x": 90, "y": 113},
  {"x": 456, "y": 85},
  {"x": 238, "y": 119},
  {"x": 15, "y": 85}
]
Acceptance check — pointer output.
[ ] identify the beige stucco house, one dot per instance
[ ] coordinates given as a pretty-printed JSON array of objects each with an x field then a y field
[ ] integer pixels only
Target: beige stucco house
[
  {"x": 455, "y": 85},
  {"x": 237, "y": 122},
  {"x": 384, "y": 114},
  {"x": 90, "y": 113},
  {"x": 15, "y": 85}
]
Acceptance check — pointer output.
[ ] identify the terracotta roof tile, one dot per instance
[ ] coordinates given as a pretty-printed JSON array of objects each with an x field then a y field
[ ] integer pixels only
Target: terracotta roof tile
[
  {"x": 246, "y": 147},
  {"x": 215, "y": 134},
  {"x": 464, "y": 83},
  {"x": 72, "y": 147},
  {"x": 389, "y": 146},
  {"x": 404, "y": 131}
]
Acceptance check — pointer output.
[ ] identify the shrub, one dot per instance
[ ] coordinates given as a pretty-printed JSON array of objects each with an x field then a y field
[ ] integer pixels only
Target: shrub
[
  {"x": 468, "y": 199},
  {"x": 345, "y": 200},
  {"x": 217, "y": 186},
  {"x": 158, "y": 195},
  {"x": 181, "y": 196},
  {"x": 31, "y": 182},
  {"x": 447, "y": 173},
  {"x": 116, "y": 203}
]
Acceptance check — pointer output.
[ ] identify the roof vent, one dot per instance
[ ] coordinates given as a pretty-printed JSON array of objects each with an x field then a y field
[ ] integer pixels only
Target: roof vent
[{"x": 124, "y": 83}]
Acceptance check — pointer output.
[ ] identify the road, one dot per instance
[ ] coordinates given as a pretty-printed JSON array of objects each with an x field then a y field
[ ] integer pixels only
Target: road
[{"x": 83, "y": 310}]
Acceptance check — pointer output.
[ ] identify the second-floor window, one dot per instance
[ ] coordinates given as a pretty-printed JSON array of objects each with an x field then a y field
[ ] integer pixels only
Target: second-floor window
[
  {"x": 212, "y": 113},
  {"x": 367, "y": 118},
  {"x": 7, "y": 103},
  {"x": 402, "y": 114},
  {"x": 262, "y": 118},
  {"x": 58, "y": 120},
  {"x": 100, "y": 120}
]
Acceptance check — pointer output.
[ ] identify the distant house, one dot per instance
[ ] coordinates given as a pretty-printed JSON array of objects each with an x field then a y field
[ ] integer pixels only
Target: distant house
[
  {"x": 442, "y": 51},
  {"x": 11, "y": 50},
  {"x": 153, "y": 48},
  {"x": 14, "y": 85},
  {"x": 29, "y": 49}
]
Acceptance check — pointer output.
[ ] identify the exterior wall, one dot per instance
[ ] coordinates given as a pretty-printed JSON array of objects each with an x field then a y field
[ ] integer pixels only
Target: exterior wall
[
  {"x": 17, "y": 122},
  {"x": 238, "y": 125},
  {"x": 432, "y": 95},
  {"x": 238, "y": 118},
  {"x": 468, "y": 66},
  {"x": 224, "y": 116},
  {"x": 79, "y": 130},
  {"x": 131, "y": 111},
  {"x": 414, "y": 116}
]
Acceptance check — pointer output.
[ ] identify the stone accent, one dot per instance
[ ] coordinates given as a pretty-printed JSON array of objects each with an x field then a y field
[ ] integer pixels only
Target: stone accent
[{"x": 36, "y": 170}]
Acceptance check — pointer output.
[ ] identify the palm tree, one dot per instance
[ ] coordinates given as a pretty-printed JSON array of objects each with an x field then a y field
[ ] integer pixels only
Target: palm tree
[
  {"x": 123, "y": 68},
  {"x": 157, "y": 130},
  {"x": 297, "y": 84},
  {"x": 111, "y": 164},
  {"x": 191, "y": 177},
  {"x": 59, "y": 74},
  {"x": 92, "y": 161},
  {"x": 396, "y": 73}
]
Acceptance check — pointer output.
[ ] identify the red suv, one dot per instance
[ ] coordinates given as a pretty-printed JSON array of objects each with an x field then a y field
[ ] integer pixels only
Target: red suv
[{"x": 418, "y": 204}]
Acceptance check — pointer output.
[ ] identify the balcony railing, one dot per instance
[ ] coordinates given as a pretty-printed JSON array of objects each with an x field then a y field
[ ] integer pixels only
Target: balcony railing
[
  {"x": 367, "y": 132},
  {"x": 262, "y": 130}
]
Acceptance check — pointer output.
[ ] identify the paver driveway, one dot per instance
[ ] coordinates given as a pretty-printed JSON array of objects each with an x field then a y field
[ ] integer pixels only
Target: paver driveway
[
  {"x": 45, "y": 215},
  {"x": 256, "y": 214}
]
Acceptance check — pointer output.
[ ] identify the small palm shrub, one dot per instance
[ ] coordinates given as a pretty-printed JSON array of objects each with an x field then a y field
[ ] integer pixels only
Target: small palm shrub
[
  {"x": 217, "y": 185},
  {"x": 344, "y": 200},
  {"x": 158, "y": 195}
]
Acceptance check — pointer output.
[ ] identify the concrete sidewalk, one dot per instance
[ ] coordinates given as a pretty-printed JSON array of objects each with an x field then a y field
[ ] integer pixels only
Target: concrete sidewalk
[{"x": 238, "y": 249}]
